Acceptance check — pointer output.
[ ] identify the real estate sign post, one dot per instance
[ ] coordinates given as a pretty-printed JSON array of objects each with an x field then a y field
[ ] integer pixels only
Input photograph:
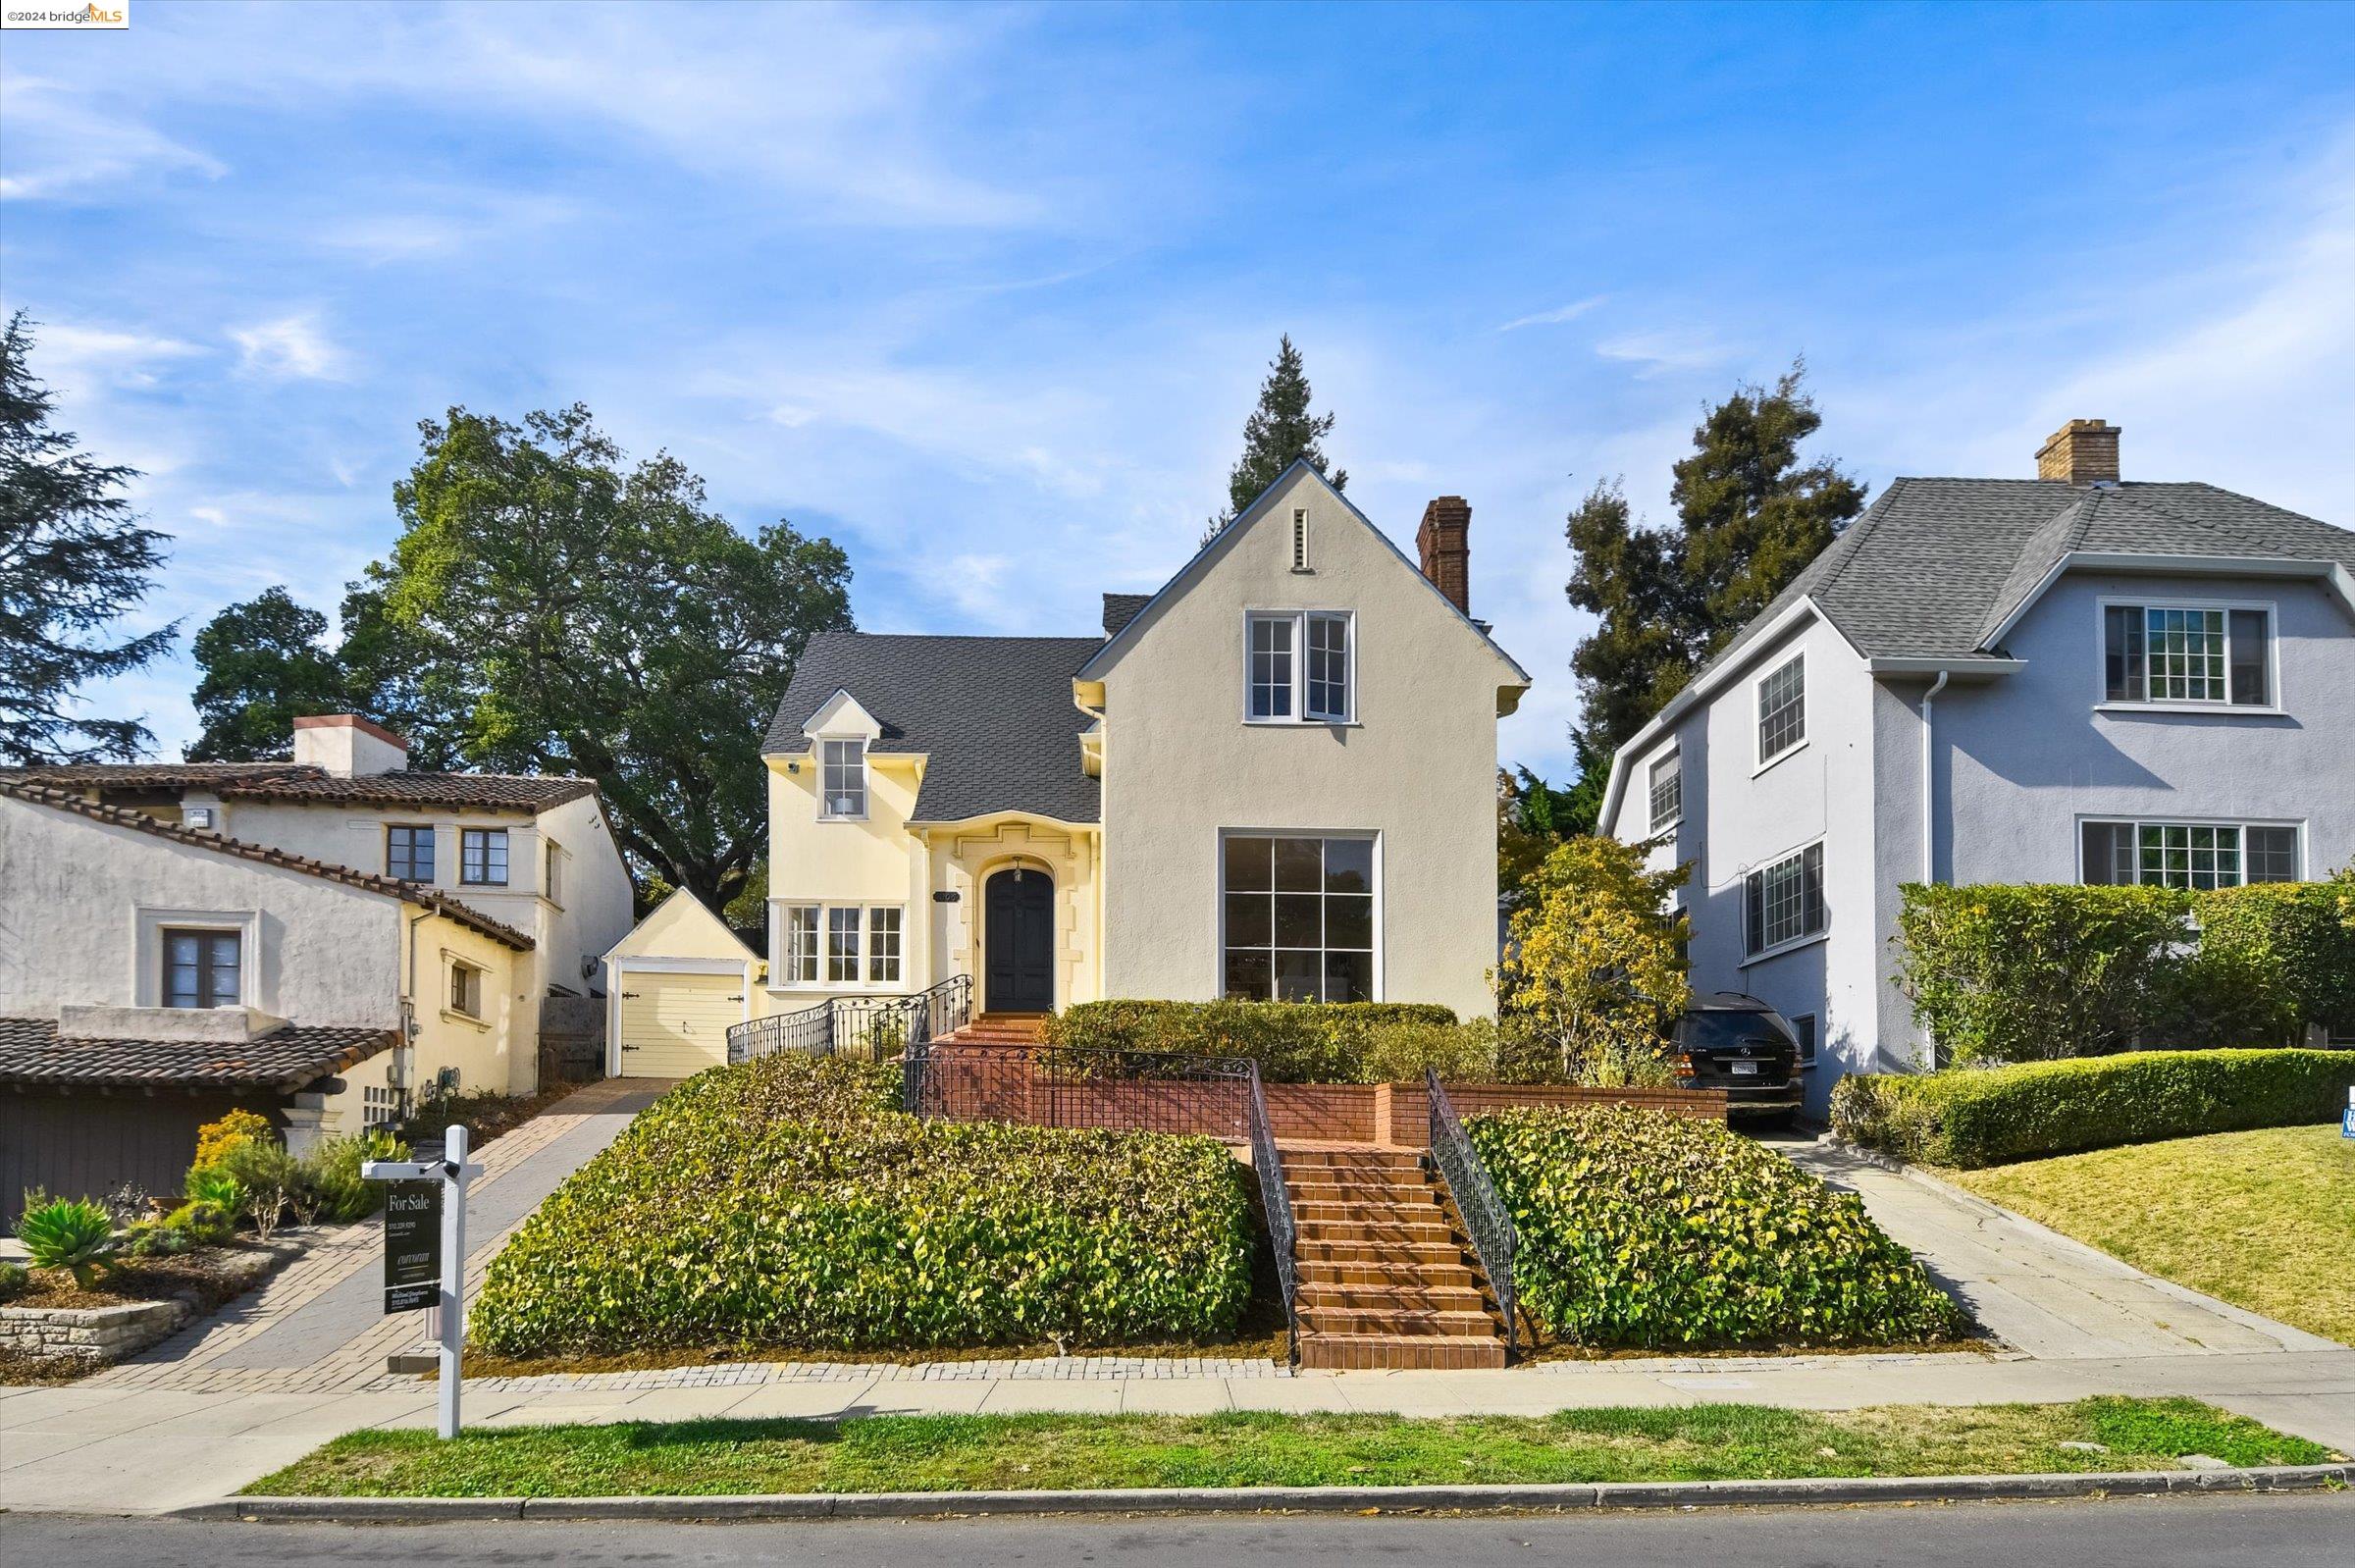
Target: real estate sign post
[{"x": 425, "y": 1249}]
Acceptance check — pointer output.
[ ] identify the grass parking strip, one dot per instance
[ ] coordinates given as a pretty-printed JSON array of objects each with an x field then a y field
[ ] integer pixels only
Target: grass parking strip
[{"x": 1067, "y": 1452}]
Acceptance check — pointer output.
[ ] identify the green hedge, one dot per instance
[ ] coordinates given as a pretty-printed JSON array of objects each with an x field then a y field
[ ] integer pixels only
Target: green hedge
[
  {"x": 1293, "y": 1042},
  {"x": 785, "y": 1202},
  {"x": 2273, "y": 959},
  {"x": 1993, "y": 1116},
  {"x": 1638, "y": 1228}
]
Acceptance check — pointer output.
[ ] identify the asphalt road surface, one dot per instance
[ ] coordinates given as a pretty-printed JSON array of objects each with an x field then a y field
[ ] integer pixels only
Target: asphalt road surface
[{"x": 2305, "y": 1530}]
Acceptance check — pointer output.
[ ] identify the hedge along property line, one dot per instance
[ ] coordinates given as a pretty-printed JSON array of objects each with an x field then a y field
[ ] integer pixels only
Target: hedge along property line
[
  {"x": 785, "y": 1202},
  {"x": 1993, "y": 1116},
  {"x": 1652, "y": 1232},
  {"x": 1293, "y": 1042}
]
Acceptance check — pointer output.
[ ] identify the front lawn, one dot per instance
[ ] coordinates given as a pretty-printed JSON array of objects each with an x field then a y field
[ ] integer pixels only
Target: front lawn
[
  {"x": 2264, "y": 1220},
  {"x": 1066, "y": 1453}
]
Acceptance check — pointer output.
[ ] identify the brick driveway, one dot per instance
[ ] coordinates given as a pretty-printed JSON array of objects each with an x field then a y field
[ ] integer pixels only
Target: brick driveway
[{"x": 318, "y": 1324}]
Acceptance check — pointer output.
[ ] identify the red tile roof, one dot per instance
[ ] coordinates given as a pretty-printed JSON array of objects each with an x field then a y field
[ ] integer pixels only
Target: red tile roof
[
  {"x": 288, "y": 781},
  {"x": 33, "y": 1052},
  {"x": 412, "y": 892}
]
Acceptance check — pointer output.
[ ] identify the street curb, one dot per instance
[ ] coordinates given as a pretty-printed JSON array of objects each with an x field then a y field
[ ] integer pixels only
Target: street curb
[{"x": 1284, "y": 1499}]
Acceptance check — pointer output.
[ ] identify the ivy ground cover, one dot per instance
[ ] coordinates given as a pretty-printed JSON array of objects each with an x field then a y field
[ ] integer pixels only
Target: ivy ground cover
[{"x": 786, "y": 1202}]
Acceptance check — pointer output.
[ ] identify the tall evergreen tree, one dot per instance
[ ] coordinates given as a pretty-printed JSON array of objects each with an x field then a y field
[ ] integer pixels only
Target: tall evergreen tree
[
  {"x": 1749, "y": 519},
  {"x": 1279, "y": 431},
  {"x": 73, "y": 560},
  {"x": 264, "y": 664}
]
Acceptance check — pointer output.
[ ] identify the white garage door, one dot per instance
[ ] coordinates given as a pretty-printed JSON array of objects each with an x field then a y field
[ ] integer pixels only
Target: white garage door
[{"x": 675, "y": 1025}]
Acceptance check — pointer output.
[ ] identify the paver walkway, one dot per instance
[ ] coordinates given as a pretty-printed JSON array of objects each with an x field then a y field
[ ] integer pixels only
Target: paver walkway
[
  {"x": 2038, "y": 1292},
  {"x": 319, "y": 1323}
]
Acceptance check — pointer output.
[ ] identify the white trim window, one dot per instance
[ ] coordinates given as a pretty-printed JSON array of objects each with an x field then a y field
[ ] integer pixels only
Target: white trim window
[
  {"x": 842, "y": 927},
  {"x": 883, "y": 945},
  {"x": 1782, "y": 902},
  {"x": 2187, "y": 854},
  {"x": 1298, "y": 918},
  {"x": 2196, "y": 655},
  {"x": 1783, "y": 710},
  {"x": 796, "y": 962},
  {"x": 1300, "y": 667},
  {"x": 842, "y": 780},
  {"x": 1667, "y": 784}
]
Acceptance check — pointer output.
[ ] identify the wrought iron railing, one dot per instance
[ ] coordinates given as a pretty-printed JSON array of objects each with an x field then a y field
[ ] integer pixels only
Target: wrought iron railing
[
  {"x": 1275, "y": 1202},
  {"x": 872, "y": 1028},
  {"x": 1485, "y": 1216}
]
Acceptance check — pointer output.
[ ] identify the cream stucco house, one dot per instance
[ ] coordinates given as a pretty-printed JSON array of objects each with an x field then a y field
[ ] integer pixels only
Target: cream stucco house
[{"x": 1273, "y": 778}]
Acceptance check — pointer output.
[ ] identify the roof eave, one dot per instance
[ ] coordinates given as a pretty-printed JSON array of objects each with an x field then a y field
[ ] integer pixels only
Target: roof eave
[{"x": 2143, "y": 562}]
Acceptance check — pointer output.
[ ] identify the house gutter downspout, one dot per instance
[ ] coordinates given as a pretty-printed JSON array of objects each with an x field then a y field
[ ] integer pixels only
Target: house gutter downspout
[{"x": 1929, "y": 783}]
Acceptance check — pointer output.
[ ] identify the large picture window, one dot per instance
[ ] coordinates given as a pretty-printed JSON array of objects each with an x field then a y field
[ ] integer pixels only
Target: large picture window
[
  {"x": 1301, "y": 667},
  {"x": 2199, "y": 653},
  {"x": 201, "y": 969},
  {"x": 1783, "y": 903},
  {"x": 2190, "y": 855},
  {"x": 1298, "y": 918}
]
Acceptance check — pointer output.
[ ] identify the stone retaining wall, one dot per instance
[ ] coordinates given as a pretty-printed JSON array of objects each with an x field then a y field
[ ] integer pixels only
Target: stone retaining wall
[{"x": 102, "y": 1334}]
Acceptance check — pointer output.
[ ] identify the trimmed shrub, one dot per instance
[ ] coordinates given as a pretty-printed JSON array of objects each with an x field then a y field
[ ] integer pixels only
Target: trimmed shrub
[
  {"x": 1651, "y": 1230},
  {"x": 1998, "y": 1114},
  {"x": 13, "y": 1280},
  {"x": 1293, "y": 1042},
  {"x": 2032, "y": 973},
  {"x": 785, "y": 1202},
  {"x": 2273, "y": 958},
  {"x": 1400, "y": 1050}
]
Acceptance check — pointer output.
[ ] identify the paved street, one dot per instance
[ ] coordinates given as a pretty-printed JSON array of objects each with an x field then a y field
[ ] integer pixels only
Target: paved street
[{"x": 2278, "y": 1532}]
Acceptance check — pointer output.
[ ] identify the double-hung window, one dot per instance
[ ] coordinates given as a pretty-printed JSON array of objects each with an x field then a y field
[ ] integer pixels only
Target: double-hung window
[
  {"x": 1783, "y": 901},
  {"x": 201, "y": 969},
  {"x": 842, "y": 779},
  {"x": 1298, "y": 918},
  {"x": 1783, "y": 710},
  {"x": 482, "y": 857},
  {"x": 1301, "y": 667},
  {"x": 842, "y": 945},
  {"x": 409, "y": 853},
  {"x": 796, "y": 961},
  {"x": 465, "y": 989},
  {"x": 883, "y": 945},
  {"x": 2219, "y": 655},
  {"x": 2189, "y": 855},
  {"x": 1667, "y": 778},
  {"x": 551, "y": 881}
]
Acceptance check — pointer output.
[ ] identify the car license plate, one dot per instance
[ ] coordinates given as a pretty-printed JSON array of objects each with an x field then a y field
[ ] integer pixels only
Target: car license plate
[{"x": 1747, "y": 1069}]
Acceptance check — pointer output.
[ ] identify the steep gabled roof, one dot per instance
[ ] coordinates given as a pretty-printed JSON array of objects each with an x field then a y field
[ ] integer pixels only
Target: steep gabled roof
[
  {"x": 138, "y": 821},
  {"x": 33, "y": 1052},
  {"x": 994, "y": 714},
  {"x": 290, "y": 781}
]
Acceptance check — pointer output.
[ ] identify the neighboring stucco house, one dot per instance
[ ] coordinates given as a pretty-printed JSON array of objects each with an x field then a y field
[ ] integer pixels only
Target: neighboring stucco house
[
  {"x": 178, "y": 929},
  {"x": 1276, "y": 777},
  {"x": 2070, "y": 678}
]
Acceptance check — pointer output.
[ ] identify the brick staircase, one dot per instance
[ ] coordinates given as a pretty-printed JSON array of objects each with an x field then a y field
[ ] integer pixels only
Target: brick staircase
[
  {"x": 998, "y": 1028},
  {"x": 1385, "y": 1277}
]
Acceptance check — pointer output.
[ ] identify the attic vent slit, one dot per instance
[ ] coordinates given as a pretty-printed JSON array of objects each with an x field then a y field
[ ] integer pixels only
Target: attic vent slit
[{"x": 1301, "y": 539}]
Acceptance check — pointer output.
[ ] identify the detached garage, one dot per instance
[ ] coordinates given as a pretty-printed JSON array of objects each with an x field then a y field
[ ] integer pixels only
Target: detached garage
[{"x": 676, "y": 984}]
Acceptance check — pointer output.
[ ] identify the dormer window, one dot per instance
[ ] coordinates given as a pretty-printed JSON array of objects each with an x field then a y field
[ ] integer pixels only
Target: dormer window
[
  {"x": 842, "y": 780},
  {"x": 1301, "y": 667}
]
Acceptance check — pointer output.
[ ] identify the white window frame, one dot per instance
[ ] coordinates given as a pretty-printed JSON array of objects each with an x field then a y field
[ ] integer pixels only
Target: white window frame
[
  {"x": 1298, "y": 620},
  {"x": 825, "y": 797},
  {"x": 2103, "y": 702},
  {"x": 874, "y": 955},
  {"x": 453, "y": 1004},
  {"x": 785, "y": 972},
  {"x": 1761, "y": 761},
  {"x": 2240, "y": 824},
  {"x": 1381, "y": 950},
  {"x": 148, "y": 924},
  {"x": 1805, "y": 937},
  {"x": 1674, "y": 759}
]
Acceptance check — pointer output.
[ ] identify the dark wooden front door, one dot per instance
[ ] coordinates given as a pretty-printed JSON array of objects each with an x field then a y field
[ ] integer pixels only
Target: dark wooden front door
[{"x": 1018, "y": 920}]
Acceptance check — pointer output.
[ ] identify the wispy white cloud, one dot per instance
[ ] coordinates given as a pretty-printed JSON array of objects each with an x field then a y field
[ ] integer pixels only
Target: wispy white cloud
[
  {"x": 62, "y": 143},
  {"x": 77, "y": 358},
  {"x": 1555, "y": 317},
  {"x": 291, "y": 347},
  {"x": 1665, "y": 350}
]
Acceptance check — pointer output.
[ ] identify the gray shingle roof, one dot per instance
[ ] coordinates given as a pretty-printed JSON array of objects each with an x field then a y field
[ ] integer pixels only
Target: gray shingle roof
[
  {"x": 33, "y": 1052},
  {"x": 995, "y": 714},
  {"x": 1121, "y": 608},
  {"x": 1937, "y": 564}
]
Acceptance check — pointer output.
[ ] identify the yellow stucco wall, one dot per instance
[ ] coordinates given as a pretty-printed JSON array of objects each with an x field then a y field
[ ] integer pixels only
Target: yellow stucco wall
[{"x": 484, "y": 1052}]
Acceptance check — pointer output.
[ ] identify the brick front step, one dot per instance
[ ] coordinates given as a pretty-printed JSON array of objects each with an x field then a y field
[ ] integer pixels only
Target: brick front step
[
  {"x": 1438, "y": 1274},
  {"x": 1390, "y": 1234},
  {"x": 1359, "y": 1189},
  {"x": 1355, "y": 1250},
  {"x": 1412, "y": 1297},
  {"x": 1299, "y": 1160},
  {"x": 1374, "y": 1216},
  {"x": 1396, "y": 1322},
  {"x": 1367, "y": 1351}
]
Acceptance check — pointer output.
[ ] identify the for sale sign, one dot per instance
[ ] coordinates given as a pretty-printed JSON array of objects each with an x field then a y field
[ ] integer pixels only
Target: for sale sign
[{"x": 412, "y": 1245}]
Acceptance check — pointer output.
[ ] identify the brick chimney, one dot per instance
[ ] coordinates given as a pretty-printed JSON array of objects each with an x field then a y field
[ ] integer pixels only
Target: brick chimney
[
  {"x": 348, "y": 746},
  {"x": 2084, "y": 451},
  {"x": 1445, "y": 543}
]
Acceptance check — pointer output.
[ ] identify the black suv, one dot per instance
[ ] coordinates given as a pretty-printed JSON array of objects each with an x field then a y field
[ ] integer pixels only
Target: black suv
[{"x": 1737, "y": 1043}]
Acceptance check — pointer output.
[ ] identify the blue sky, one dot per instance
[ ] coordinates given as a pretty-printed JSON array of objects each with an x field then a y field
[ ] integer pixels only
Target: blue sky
[{"x": 984, "y": 294}]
